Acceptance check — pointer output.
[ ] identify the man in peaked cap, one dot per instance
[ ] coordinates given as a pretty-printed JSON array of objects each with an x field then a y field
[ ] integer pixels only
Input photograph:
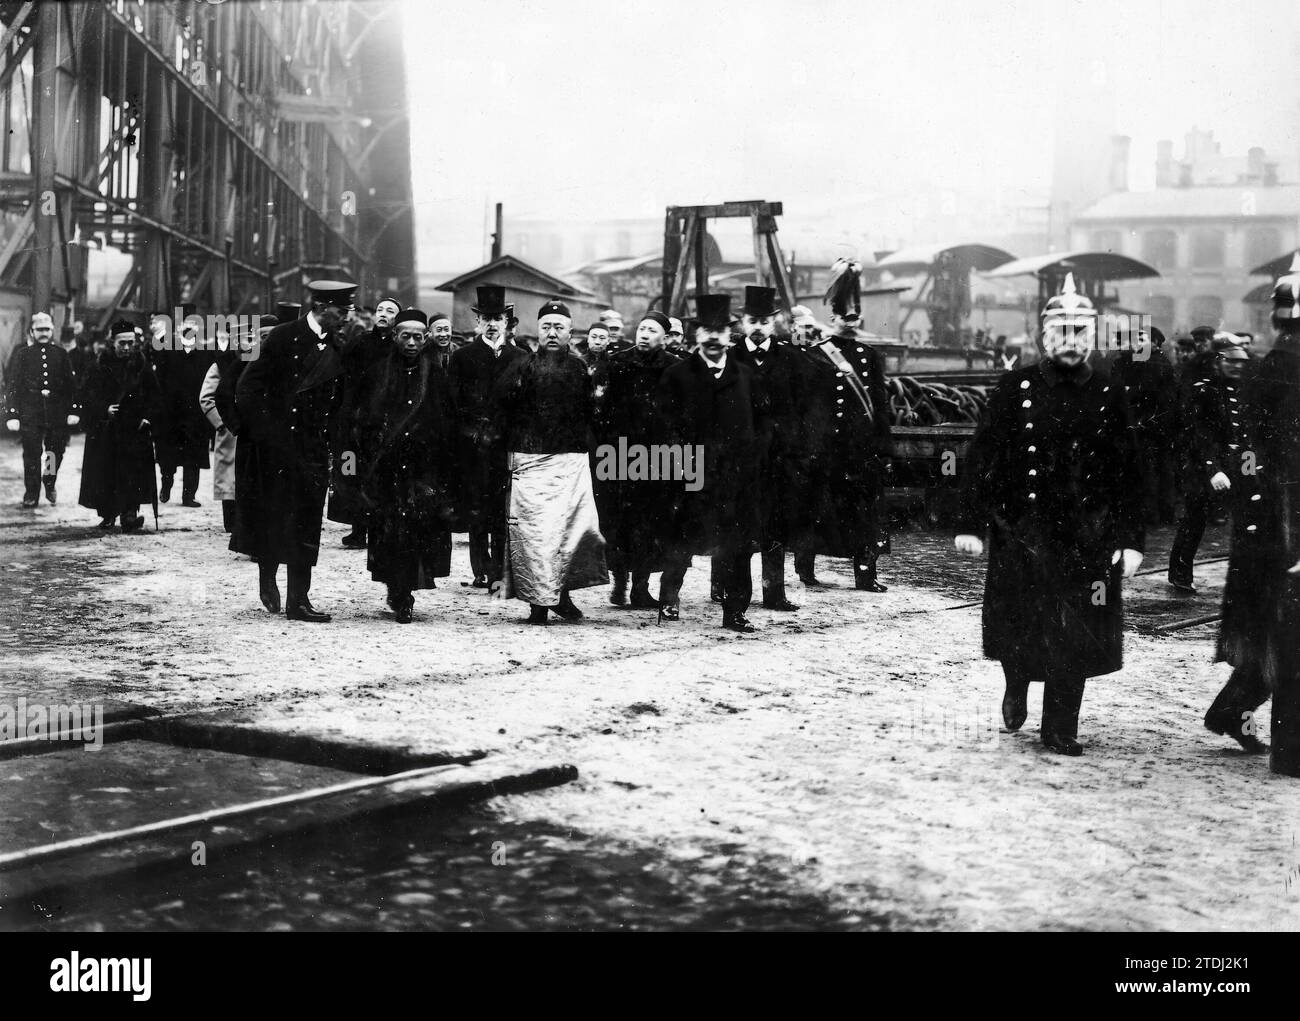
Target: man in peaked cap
[
  {"x": 473, "y": 371},
  {"x": 781, "y": 449},
  {"x": 1054, "y": 476},
  {"x": 713, "y": 409},
  {"x": 1260, "y": 631},
  {"x": 287, "y": 399},
  {"x": 545, "y": 415},
  {"x": 41, "y": 404}
]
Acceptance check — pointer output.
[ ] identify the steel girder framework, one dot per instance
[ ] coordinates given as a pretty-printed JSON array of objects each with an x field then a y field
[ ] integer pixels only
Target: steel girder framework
[{"x": 232, "y": 149}]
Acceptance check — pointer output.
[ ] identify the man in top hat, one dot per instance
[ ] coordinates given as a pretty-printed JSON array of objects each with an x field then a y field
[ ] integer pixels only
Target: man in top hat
[
  {"x": 846, "y": 394},
  {"x": 361, "y": 348},
  {"x": 711, "y": 403},
  {"x": 545, "y": 415},
  {"x": 1054, "y": 475},
  {"x": 121, "y": 400},
  {"x": 1260, "y": 631},
  {"x": 402, "y": 433},
  {"x": 781, "y": 455},
  {"x": 286, "y": 399},
  {"x": 41, "y": 405},
  {"x": 481, "y": 459}
]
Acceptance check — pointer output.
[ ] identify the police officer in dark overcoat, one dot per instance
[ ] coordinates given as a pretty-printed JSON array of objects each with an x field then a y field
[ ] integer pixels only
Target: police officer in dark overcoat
[{"x": 41, "y": 404}]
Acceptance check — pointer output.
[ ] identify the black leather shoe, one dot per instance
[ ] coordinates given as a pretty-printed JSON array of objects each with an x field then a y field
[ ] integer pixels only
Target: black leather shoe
[
  {"x": 1224, "y": 725},
  {"x": 779, "y": 604},
  {"x": 537, "y": 615},
  {"x": 737, "y": 622},
  {"x": 715, "y": 593},
  {"x": 870, "y": 585},
  {"x": 1015, "y": 708},
  {"x": 479, "y": 582},
  {"x": 189, "y": 501},
  {"x": 29, "y": 501},
  {"x": 107, "y": 523},
  {"x": 1183, "y": 585},
  {"x": 1061, "y": 744},
  {"x": 132, "y": 524},
  {"x": 165, "y": 491},
  {"x": 304, "y": 611},
  {"x": 270, "y": 596},
  {"x": 404, "y": 612},
  {"x": 51, "y": 494},
  {"x": 642, "y": 600},
  {"x": 668, "y": 612},
  {"x": 566, "y": 609},
  {"x": 809, "y": 581},
  {"x": 618, "y": 595},
  {"x": 354, "y": 541}
]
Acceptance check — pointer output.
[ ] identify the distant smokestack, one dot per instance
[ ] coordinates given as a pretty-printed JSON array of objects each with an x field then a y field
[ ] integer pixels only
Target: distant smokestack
[
  {"x": 1270, "y": 174},
  {"x": 1254, "y": 164},
  {"x": 496, "y": 237},
  {"x": 1119, "y": 148},
  {"x": 1164, "y": 164}
]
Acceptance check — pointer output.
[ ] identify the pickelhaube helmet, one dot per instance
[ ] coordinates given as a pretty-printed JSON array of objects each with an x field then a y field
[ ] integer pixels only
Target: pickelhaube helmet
[
  {"x": 1286, "y": 296},
  {"x": 1069, "y": 306}
]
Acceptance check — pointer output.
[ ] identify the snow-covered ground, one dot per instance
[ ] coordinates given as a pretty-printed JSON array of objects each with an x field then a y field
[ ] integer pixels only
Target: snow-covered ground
[{"x": 857, "y": 740}]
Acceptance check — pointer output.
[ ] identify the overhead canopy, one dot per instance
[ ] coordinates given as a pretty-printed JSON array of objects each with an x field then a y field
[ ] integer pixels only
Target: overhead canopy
[
  {"x": 1093, "y": 265},
  {"x": 1277, "y": 267},
  {"x": 919, "y": 258}
]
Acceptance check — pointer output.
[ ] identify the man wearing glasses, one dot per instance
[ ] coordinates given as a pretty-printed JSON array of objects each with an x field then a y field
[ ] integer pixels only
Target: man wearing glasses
[{"x": 286, "y": 399}]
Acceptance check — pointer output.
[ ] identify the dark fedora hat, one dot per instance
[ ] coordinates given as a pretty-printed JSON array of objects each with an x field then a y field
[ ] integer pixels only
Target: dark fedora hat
[
  {"x": 759, "y": 302},
  {"x": 713, "y": 312},
  {"x": 491, "y": 301}
]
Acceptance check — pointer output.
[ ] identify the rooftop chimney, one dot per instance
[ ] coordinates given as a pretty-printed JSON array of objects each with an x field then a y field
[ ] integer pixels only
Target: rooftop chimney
[
  {"x": 1254, "y": 164},
  {"x": 1164, "y": 164}
]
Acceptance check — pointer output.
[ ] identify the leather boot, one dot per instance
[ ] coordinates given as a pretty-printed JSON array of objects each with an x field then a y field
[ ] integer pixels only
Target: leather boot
[
  {"x": 565, "y": 607},
  {"x": 51, "y": 495},
  {"x": 298, "y": 605},
  {"x": 267, "y": 588},
  {"x": 864, "y": 575},
  {"x": 536, "y": 614},
  {"x": 618, "y": 597},
  {"x": 734, "y": 620},
  {"x": 641, "y": 597}
]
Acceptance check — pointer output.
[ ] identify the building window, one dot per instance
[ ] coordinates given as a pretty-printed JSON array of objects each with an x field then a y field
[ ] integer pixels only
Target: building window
[
  {"x": 1160, "y": 248},
  {"x": 1207, "y": 249},
  {"x": 1262, "y": 244},
  {"x": 1206, "y": 310},
  {"x": 1107, "y": 241}
]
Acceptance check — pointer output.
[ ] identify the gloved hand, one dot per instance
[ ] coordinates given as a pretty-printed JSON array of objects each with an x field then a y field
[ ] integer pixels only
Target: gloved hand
[
  {"x": 74, "y": 419},
  {"x": 1219, "y": 482},
  {"x": 971, "y": 545},
  {"x": 12, "y": 425},
  {"x": 1132, "y": 561},
  {"x": 144, "y": 424}
]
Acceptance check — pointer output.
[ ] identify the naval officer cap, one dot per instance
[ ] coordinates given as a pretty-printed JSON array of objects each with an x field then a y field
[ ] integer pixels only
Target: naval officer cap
[
  {"x": 333, "y": 292},
  {"x": 554, "y": 307}
]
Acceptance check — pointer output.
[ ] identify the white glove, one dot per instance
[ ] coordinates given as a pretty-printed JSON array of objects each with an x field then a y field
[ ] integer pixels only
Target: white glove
[
  {"x": 73, "y": 419},
  {"x": 971, "y": 545},
  {"x": 1219, "y": 482},
  {"x": 1132, "y": 561},
  {"x": 12, "y": 425}
]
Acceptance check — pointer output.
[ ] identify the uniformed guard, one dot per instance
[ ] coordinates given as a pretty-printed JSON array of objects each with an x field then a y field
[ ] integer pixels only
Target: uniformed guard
[
  {"x": 1260, "y": 633},
  {"x": 846, "y": 394},
  {"x": 1054, "y": 474},
  {"x": 41, "y": 405},
  {"x": 287, "y": 399}
]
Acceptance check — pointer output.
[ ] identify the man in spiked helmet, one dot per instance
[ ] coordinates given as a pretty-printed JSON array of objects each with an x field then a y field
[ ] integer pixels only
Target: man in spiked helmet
[
  {"x": 846, "y": 405},
  {"x": 1261, "y": 599},
  {"x": 1054, "y": 476}
]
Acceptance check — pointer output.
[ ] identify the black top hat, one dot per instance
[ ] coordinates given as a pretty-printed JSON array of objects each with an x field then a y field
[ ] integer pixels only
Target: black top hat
[
  {"x": 759, "y": 302},
  {"x": 491, "y": 301},
  {"x": 287, "y": 311},
  {"x": 713, "y": 311}
]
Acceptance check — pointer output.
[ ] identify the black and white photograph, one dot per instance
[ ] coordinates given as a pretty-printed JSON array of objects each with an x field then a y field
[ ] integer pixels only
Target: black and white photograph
[{"x": 684, "y": 466}]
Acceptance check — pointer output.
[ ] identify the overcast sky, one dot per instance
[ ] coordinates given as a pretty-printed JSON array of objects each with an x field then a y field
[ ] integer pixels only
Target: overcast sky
[{"x": 570, "y": 107}]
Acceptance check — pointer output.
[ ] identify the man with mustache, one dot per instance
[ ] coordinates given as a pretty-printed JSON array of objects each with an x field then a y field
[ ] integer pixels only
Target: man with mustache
[
  {"x": 288, "y": 399},
  {"x": 1054, "y": 475},
  {"x": 484, "y": 477},
  {"x": 545, "y": 408},
  {"x": 41, "y": 405}
]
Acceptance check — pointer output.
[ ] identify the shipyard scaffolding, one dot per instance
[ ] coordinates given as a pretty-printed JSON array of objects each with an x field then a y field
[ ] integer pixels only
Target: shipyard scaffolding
[{"x": 233, "y": 150}]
